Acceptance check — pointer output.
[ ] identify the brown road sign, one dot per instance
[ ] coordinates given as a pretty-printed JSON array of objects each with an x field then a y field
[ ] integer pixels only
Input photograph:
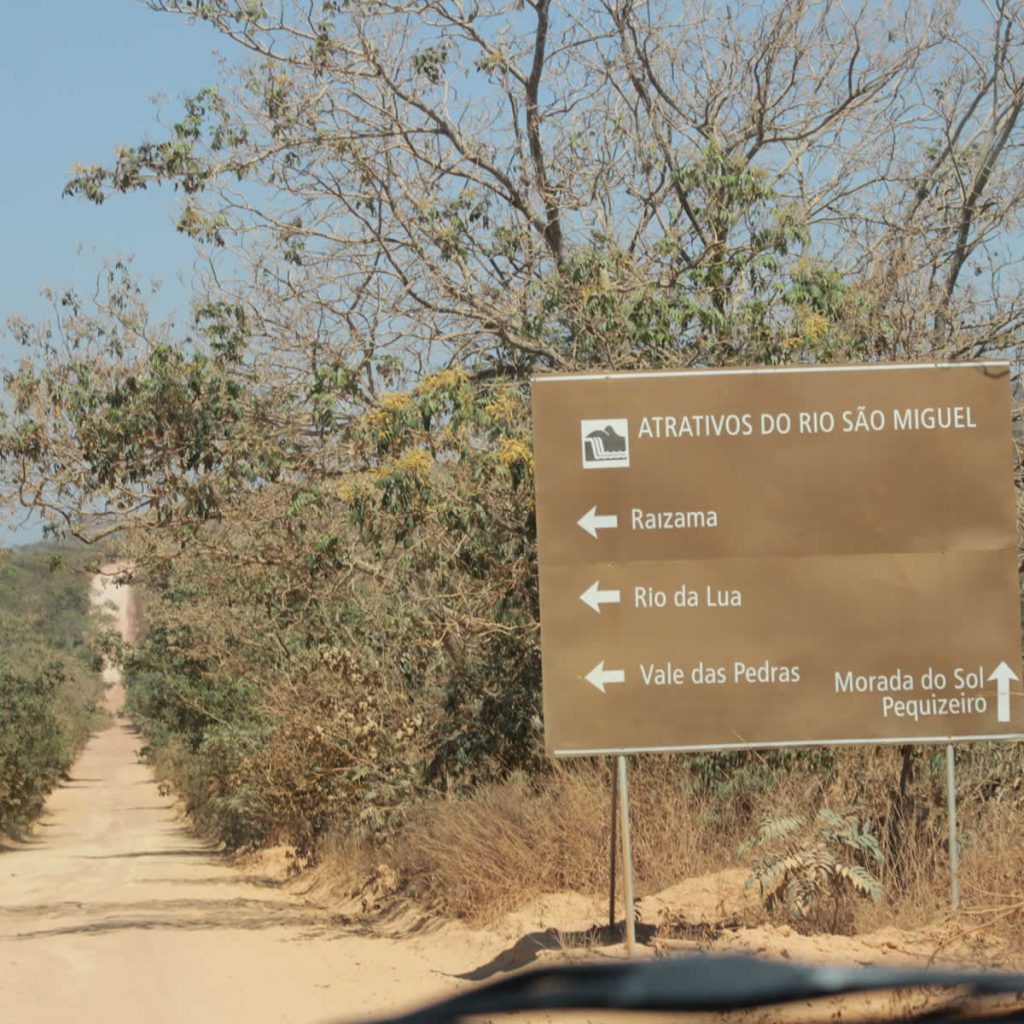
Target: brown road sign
[{"x": 756, "y": 558}]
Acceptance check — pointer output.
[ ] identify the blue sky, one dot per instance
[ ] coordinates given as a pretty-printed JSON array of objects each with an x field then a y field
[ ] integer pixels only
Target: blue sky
[{"x": 77, "y": 79}]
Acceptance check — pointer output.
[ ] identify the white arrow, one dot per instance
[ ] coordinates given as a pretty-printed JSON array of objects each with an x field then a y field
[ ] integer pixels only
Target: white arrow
[
  {"x": 596, "y": 597},
  {"x": 600, "y": 676},
  {"x": 592, "y": 522},
  {"x": 1002, "y": 674}
]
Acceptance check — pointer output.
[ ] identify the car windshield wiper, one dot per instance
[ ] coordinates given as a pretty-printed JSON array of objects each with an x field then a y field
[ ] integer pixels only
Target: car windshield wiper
[{"x": 704, "y": 984}]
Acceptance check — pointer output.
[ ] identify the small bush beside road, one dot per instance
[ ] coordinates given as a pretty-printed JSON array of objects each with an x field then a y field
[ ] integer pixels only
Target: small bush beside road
[{"x": 50, "y": 683}]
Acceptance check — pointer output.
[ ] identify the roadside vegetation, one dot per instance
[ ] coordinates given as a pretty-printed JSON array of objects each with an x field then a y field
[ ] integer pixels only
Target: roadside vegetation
[
  {"x": 324, "y": 478},
  {"x": 819, "y": 847},
  {"x": 51, "y": 688}
]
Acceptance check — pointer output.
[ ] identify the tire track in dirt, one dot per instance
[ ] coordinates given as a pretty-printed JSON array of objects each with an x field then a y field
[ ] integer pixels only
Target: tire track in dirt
[{"x": 112, "y": 912}]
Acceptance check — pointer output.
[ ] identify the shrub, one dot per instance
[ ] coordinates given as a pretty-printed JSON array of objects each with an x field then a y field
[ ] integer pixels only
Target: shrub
[
  {"x": 484, "y": 854},
  {"x": 812, "y": 869},
  {"x": 34, "y": 751},
  {"x": 50, "y": 686}
]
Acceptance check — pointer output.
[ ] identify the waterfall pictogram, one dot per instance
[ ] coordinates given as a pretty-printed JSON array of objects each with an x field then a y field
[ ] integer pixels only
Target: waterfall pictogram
[{"x": 605, "y": 444}]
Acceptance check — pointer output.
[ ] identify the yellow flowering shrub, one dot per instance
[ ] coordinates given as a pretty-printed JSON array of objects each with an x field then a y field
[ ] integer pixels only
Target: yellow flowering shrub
[
  {"x": 416, "y": 461},
  {"x": 815, "y": 327},
  {"x": 514, "y": 450},
  {"x": 441, "y": 380}
]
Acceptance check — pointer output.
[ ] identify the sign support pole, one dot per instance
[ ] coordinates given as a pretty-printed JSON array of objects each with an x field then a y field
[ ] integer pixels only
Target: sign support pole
[
  {"x": 954, "y": 850},
  {"x": 627, "y": 855},
  {"x": 614, "y": 845}
]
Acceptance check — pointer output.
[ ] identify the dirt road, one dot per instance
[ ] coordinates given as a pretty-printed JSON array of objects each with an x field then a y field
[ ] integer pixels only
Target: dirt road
[{"x": 114, "y": 913}]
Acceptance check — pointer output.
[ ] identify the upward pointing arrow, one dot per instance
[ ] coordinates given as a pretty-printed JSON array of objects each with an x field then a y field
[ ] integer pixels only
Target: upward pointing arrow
[
  {"x": 592, "y": 522},
  {"x": 1003, "y": 675}
]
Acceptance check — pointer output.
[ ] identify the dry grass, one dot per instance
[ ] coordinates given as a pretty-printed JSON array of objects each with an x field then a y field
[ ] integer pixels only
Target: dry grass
[
  {"x": 992, "y": 872},
  {"x": 674, "y": 833},
  {"x": 480, "y": 857},
  {"x": 344, "y": 863}
]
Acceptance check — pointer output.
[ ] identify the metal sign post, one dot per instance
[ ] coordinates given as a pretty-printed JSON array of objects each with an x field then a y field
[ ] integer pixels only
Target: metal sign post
[
  {"x": 954, "y": 850},
  {"x": 620, "y": 810},
  {"x": 614, "y": 846},
  {"x": 627, "y": 855}
]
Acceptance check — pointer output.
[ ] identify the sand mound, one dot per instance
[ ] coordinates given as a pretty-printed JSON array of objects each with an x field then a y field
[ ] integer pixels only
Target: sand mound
[
  {"x": 566, "y": 912},
  {"x": 718, "y": 913},
  {"x": 718, "y": 900}
]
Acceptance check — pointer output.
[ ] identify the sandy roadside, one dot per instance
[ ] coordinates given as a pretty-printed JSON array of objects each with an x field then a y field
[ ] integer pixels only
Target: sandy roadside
[{"x": 113, "y": 912}]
